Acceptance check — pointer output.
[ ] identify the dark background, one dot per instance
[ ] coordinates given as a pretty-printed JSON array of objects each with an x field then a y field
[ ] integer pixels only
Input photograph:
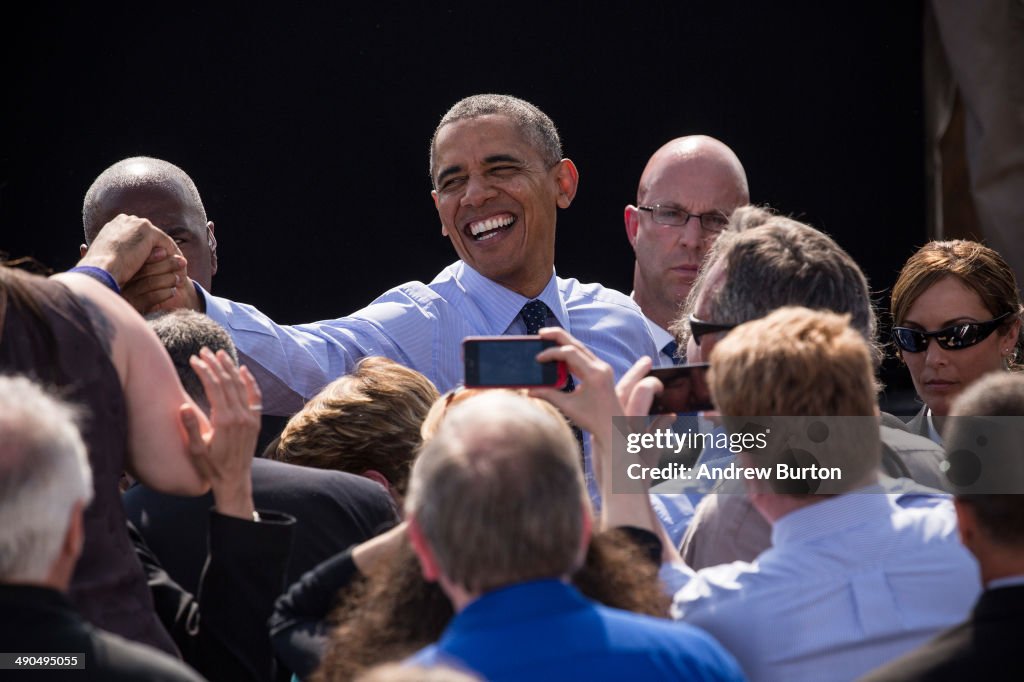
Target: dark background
[{"x": 306, "y": 129}]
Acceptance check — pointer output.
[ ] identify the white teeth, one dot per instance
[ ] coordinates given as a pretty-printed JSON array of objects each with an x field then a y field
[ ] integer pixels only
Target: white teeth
[{"x": 490, "y": 224}]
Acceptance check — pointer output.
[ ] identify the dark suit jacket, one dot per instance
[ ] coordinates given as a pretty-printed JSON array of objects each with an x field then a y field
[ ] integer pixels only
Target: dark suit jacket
[
  {"x": 987, "y": 647},
  {"x": 222, "y": 631},
  {"x": 333, "y": 510},
  {"x": 38, "y": 620}
]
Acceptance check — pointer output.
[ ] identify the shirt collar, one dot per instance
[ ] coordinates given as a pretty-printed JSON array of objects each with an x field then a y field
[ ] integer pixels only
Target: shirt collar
[
  {"x": 660, "y": 334},
  {"x": 933, "y": 433},
  {"x": 1008, "y": 581},
  {"x": 503, "y": 305},
  {"x": 831, "y": 516},
  {"x": 524, "y": 601}
]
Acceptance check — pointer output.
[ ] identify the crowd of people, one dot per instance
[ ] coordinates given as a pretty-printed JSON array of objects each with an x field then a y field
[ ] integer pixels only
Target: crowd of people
[{"x": 404, "y": 526}]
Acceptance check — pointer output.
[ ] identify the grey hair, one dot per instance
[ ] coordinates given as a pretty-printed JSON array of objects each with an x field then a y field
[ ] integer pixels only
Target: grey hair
[
  {"x": 773, "y": 261},
  {"x": 498, "y": 493},
  {"x": 134, "y": 172},
  {"x": 536, "y": 126},
  {"x": 184, "y": 333},
  {"x": 44, "y": 472}
]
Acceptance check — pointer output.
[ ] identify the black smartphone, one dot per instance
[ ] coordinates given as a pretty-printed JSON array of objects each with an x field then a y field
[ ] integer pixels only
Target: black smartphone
[
  {"x": 686, "y": 389},
  {"x": 510, "y": 362}
]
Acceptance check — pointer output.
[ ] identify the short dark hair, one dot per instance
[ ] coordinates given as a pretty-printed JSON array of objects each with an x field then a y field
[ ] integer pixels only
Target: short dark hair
[
  {"x": 125, "y": 174},
  {"x": 534, "y": 124},
  {"x": 999, "y": 394},
  {"x": 184, "y": 333}
]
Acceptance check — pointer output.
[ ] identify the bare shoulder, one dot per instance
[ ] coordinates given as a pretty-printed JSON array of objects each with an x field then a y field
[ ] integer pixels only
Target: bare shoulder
[{"x": 111, "y": 318}]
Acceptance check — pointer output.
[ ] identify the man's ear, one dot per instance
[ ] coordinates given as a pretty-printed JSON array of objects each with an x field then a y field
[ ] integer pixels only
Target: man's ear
[
  {"x": 568, "y": 179},
  {"x": 428, "y": 562},
  {"x": 82, "y": 250},
  {"x": 75, "y": 537},
  {"x": 211, "y": 240},
  {"x": 631, "y": 217},
  {"x": 377, "y": 476},
  {"x": 1012, "y": 334},
  {"x": 437, "y": 205},
  {"x": 585, "y": 534}
]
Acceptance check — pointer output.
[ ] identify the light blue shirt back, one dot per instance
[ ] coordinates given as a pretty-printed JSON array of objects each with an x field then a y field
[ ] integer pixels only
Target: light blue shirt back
[{"x": 849, "y": 583}]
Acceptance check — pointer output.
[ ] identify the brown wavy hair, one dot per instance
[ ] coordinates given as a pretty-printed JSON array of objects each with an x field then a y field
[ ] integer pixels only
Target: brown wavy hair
[
  {"x": 976, "y": 266},
  {"x": 393, "y": 612},
  {"x": 369, "y": 419}
]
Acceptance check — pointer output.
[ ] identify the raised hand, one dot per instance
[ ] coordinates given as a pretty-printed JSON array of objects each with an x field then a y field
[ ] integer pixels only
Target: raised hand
[
  {"x": 224, "y": 453},
  {"x": 125, "y": 245}
]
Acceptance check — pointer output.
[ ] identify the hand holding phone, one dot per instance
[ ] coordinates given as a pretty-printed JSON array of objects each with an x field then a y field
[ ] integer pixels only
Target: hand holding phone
[
  {"x": 510, "y": 362},
  {"x": 686, "y": 389}
]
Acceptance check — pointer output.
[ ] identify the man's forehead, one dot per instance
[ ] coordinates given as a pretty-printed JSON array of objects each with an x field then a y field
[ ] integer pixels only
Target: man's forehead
[
  {"x": 164, "y": 197},
  {"x": 692, "y": 181},
  {"x": 486, "y": 135}
]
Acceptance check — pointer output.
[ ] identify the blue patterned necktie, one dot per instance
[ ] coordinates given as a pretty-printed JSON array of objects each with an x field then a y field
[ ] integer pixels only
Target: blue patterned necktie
[
  {"x": 535, "y": 315},
  {"x": 669, "y": 350}
]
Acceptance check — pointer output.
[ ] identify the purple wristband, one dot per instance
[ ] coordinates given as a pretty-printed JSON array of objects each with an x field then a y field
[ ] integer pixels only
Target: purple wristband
[{"x": 100, "y": 275}]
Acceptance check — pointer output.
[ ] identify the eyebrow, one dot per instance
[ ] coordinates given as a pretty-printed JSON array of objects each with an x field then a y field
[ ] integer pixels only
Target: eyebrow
[
  {"x": 489, "y": 160},
  {"x": 944, "y": 325},
  {"x": 502, "y": 158},
  {"x": 450, "y": 170}
]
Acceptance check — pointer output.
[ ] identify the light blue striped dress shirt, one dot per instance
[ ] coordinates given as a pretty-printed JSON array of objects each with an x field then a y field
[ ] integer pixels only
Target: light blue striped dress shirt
[
  {"x": 849, "y": 583},
  {"x": 422, "y": 326}
]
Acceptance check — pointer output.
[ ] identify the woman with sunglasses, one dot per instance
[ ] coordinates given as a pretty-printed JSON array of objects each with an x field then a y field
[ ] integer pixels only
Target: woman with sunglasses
[{"x": 957, "y": 316}]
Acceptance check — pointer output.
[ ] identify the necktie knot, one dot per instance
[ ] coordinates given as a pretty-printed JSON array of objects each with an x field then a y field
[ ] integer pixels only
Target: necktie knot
[
  {"x": 535, "y": 315},
  {"x": 669, "y": 349}
]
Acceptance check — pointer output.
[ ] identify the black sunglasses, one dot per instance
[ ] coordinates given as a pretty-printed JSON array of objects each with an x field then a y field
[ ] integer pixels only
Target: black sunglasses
[
  {"x": 951, "y": 338},
  {"x": 699, "y": 328}
]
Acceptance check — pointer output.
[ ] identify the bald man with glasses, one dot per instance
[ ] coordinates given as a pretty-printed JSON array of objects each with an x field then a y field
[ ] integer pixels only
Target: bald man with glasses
[{"x": 687, "y": 191}]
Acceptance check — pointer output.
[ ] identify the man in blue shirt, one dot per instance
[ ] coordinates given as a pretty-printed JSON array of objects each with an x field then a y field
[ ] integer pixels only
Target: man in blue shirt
[
  {"x": 984, "y": 430},
  {"x": 499, "y": 179},
  {"x": 852, "y": 579},
  {"x": 499, "y": 517}
]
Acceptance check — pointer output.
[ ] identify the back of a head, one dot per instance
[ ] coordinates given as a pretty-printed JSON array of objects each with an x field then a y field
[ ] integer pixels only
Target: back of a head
[
  {"x": 44, "y": 472},
  {"x": 184, "y": 333},
  {"x": 982, "y": 436},
  {"x": 771, "y": 261},
  {"x": 135, "y": 172},
  {"x": 367, "y": 420},
  {"x": 804, "y": 366},
  {"x": 534, "y": 124},
  {"x": 499, "y": 495}
]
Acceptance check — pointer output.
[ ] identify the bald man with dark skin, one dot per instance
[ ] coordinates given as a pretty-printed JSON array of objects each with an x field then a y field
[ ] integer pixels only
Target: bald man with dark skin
[
  {"x": 165, "y": 195},
  {"x": 687, "y": 191}
]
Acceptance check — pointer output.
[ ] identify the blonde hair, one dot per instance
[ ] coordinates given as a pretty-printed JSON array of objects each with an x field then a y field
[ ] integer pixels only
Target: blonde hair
[
  {"x": 369, "y": 419},
  {"x": 800, "y": 363}
]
